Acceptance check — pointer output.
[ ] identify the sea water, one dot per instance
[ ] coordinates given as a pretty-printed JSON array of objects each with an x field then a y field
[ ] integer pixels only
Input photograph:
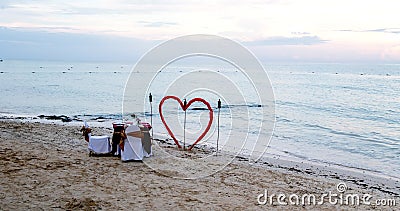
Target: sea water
[{"x": 342, "y": 114}]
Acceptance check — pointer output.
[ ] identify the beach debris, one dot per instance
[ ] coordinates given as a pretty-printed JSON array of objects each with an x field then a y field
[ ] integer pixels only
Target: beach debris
[
  {"x": 63, "y": 118},
  {"x": 198, "y": 109},
  {"x": 82, "y": 204}
]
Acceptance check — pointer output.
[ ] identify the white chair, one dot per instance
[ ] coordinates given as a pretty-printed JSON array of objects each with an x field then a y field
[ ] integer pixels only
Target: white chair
[{"x": 133, "y": 149}]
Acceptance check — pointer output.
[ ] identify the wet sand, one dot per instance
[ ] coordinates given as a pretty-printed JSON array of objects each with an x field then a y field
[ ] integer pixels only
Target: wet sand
[{"x": 47, "y": 166}]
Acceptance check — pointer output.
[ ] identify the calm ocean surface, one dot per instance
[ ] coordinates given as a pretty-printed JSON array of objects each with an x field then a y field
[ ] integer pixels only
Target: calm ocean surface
[{"x": 343, "y": 114}]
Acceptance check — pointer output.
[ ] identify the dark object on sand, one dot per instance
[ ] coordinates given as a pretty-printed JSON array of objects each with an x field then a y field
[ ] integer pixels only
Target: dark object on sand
[
  {"x": 118, "y": 138},
  {"x": 199, "y": 109},
  {"x": 63, "y": 118}
]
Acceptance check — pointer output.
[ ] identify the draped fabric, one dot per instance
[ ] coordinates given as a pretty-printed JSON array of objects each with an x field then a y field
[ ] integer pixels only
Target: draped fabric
[
  {"x": 99, "y": 144},
  {"x": 133, "y": 149},
  {"x": 137, "y": 145}
]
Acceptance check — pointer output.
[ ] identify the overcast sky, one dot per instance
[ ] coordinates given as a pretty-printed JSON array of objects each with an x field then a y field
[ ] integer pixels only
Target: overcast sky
[{"x": 275, "y": 30}]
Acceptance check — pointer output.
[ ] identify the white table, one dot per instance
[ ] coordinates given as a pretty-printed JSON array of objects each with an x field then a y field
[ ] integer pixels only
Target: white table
[{"x": 99, "y": 144}]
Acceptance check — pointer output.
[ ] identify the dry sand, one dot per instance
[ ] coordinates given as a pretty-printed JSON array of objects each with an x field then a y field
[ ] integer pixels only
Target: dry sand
[{"x": 47, "y": 166}]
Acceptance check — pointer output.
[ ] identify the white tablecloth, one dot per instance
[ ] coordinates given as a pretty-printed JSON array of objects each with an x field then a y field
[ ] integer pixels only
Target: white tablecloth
[{"x": 99, "y": 144}]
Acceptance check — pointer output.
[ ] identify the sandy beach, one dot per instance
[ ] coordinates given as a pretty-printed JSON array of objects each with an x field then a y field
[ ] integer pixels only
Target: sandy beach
[
  {"x": 47, "y": 166},
  {"x": 285, "y": 105}
]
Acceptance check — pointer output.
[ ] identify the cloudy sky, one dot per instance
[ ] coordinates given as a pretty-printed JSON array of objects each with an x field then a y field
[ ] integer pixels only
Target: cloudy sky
[{"x": 275, "y": 30}]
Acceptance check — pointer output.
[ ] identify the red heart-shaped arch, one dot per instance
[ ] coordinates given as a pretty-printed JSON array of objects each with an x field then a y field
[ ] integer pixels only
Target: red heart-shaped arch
[{"x": 185, "y": 108}]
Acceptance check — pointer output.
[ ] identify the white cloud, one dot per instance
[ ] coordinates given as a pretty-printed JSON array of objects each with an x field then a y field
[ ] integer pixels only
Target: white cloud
[{"x": 301, "y": 40}]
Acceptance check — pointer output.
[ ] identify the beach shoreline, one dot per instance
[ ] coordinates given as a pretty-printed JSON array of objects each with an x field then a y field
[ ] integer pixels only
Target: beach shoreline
[
  {"x": 104, "y": 123},
  {"x": 47, "y": 166}
]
